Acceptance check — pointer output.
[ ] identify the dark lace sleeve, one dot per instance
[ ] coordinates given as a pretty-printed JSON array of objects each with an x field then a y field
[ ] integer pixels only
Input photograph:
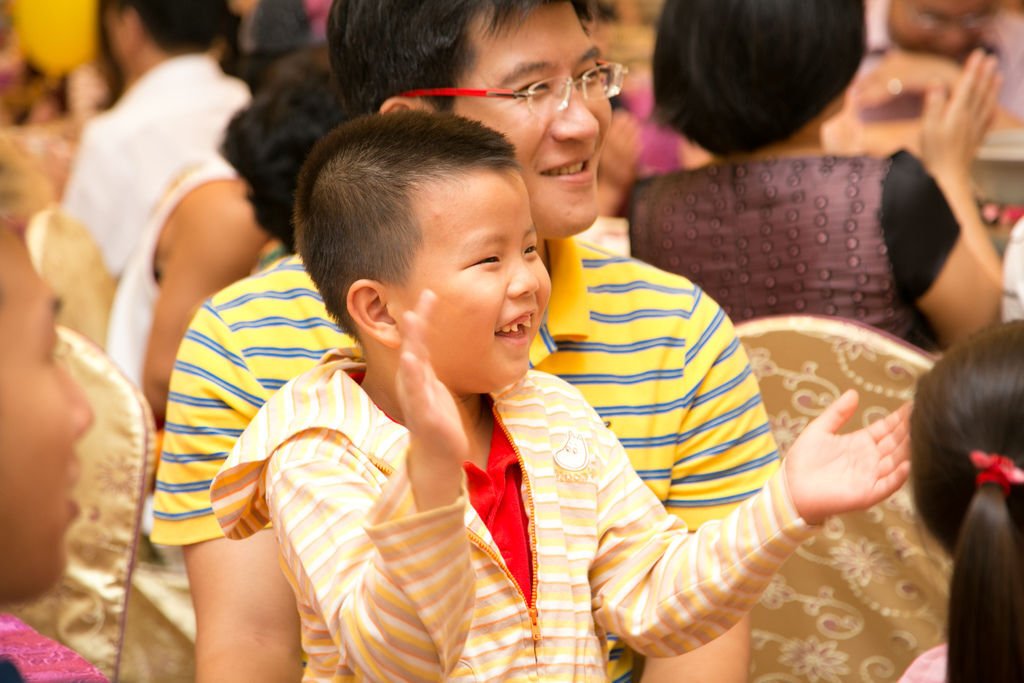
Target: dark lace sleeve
[{"x": 919, "y": 227}]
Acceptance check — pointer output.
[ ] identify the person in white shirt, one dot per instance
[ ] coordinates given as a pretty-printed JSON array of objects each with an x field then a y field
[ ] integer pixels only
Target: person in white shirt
[
  {"x": 172, "y": 115},
  {"x": 1013, "y": 275}
]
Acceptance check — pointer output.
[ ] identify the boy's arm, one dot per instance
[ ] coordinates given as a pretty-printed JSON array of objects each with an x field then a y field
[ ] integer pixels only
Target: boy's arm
[
  {"x": 393, "y": 584},
  {"x": 665, "y": 591}
]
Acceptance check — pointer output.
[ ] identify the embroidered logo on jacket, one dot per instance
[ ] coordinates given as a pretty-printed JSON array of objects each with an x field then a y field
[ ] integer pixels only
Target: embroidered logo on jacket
[{"x": 572, "y": 460}]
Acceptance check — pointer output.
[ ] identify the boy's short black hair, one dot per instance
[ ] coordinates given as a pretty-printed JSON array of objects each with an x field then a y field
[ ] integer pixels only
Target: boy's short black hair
[
  {"x": 267, "y": 141},
  {"x": 354, "y": 214},
  {"x": 737, "y": 75},
  {"x": 381, "y": 48},
  {"x": 182, "y": 25}
]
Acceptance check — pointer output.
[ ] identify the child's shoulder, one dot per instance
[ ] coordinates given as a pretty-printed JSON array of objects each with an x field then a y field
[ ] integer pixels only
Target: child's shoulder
[
  {"x": 322, "y": 397},
  {"x": 549, "y": 393},
  {"x": 545, "y": 384}
]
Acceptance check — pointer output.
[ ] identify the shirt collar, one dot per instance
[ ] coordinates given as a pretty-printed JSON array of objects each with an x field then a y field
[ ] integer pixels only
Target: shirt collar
[
  {"x": 568, "y": 314},
  {"x": 173, "y": 76}
]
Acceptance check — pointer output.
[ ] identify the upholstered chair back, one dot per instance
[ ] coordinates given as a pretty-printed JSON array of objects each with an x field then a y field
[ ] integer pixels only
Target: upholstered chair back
[{"x": 868, "y": 594}]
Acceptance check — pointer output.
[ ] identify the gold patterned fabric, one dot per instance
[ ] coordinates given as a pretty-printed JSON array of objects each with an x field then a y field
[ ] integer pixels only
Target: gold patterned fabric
[
  {"x": 65, "y": 255},
  {"x": 159, "y": 641},
  {"x": 862, "y": 599},
  {"x": 87, "y": 609}
]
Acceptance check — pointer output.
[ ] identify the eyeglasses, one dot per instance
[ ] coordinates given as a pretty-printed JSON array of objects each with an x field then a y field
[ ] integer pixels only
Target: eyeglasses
[
  {"x": 936, "y": 22},
  {"x": 551, "y": 94}
]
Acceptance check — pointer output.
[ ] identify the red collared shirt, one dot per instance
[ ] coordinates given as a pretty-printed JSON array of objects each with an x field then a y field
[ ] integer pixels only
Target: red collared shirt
[{"x": 495, "y": 495}]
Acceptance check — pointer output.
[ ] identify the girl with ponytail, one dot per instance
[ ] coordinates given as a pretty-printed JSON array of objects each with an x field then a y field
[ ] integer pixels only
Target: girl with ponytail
[{"x": 967, "y": 475}]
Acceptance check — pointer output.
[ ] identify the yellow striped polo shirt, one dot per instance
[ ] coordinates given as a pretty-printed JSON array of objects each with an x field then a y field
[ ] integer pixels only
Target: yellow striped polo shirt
[{"x": 388, "y": 593}]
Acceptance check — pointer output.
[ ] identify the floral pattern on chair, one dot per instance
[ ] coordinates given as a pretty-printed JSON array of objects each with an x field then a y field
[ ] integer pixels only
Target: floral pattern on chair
[
  {"x": 868, "y": 594},
  {"x": 87, "y": 609}
]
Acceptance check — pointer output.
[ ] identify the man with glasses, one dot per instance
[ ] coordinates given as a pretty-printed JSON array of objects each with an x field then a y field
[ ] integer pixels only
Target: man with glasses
[
  {"x": 913, "y": 44},
  {"x": 657, "y": 358}
]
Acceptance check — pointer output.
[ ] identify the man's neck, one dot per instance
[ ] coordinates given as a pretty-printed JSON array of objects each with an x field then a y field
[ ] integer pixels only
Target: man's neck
[
  {"x": 146, "y": 60},
  {"x": 804, "y": 142}
]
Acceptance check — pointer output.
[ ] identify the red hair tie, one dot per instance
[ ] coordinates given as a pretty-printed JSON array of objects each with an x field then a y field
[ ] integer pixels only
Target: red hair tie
[{"x": 996, "y": 469}]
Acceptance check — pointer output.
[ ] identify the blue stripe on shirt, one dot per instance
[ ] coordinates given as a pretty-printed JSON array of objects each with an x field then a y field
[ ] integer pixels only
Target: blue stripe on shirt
[
  {"x": 271, "y": 384},
  {"x": 281, "y": 321},
  {"x": 190, "y": 487},
  {"x": 284, "y": 352},
  {"x": 593, "y": 263},
  {"x": 285, "y": 295},
  {"x": 210, "y": 344},
  {"x": 639, "y": 285},
  {"x": 748, "y": 466},
  {"x": 188, "y": 430},
  {"x": 639, "y": 314},
  {"x": 655, "y": 343},
  {"x": 196, "y": 371},
  {"x": 718, "y": 449},
  {"x": 675, "y": 439},
  {"x": 723, "y": 388},
  {"x": 663, "y": 473},
  {"x": 638, "y": 378},
  {"x": 710, "y": 502},
  {"x": 706, "y": 335},
  {"x": 197, "y": 402},
  {"x": 185, "y": 458},
  {"x": 728, "y": 352},
  {"x": 181, "y": 516}
]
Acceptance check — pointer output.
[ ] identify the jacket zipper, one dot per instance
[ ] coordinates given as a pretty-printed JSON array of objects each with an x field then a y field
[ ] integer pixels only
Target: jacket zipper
[
  {"x": 532, "y": 605},
  {"x": 531, "y": 608}
]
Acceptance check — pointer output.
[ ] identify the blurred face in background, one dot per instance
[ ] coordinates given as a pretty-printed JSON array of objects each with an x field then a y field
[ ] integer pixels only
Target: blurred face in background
[
  {"x": 951, "y": 28},
  {"x": 42, "y": 414}
]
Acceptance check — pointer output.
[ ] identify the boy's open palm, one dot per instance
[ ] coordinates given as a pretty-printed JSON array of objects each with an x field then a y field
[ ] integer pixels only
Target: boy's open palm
[{"x": 829, "y": 473}]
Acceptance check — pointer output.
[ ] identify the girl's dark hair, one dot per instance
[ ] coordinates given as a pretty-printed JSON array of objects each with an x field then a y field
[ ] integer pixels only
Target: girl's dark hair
[
  {"x": 973, "y": 399},
  {"x": 737, "y": 75}
]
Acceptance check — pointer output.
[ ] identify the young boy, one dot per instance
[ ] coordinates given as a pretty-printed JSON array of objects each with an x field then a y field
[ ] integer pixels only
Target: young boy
[{"x": 416, "y": 229}]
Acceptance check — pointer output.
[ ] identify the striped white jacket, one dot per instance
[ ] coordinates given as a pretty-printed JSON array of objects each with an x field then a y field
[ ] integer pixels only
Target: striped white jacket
[{"x": 388, "y": 593}]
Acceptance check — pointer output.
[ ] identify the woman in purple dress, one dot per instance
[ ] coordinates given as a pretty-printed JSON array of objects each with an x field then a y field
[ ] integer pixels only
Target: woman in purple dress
[{"x": 773, "y": 225}]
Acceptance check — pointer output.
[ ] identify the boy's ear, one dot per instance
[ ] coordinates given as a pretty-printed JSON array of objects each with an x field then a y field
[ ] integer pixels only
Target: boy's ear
[
  {"x": 367, "y": 303},
  {"x": 399, "y": 103}
]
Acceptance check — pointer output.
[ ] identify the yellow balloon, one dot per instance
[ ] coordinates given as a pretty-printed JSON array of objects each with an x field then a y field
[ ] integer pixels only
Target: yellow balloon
[{"x": 56, "y": 35}]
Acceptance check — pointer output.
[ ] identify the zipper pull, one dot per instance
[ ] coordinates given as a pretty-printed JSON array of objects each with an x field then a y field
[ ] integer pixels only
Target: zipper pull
[{"x": 534, "y": 626}]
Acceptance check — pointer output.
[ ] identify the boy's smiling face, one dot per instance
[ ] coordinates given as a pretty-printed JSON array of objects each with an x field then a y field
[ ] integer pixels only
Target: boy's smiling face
[{"x": 479, "y": 256}]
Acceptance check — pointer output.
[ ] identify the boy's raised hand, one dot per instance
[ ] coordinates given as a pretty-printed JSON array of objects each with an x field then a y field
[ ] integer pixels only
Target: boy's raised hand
[
  {"x": 829, "y": 473},
  {"x": 438, "y": 442}
]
